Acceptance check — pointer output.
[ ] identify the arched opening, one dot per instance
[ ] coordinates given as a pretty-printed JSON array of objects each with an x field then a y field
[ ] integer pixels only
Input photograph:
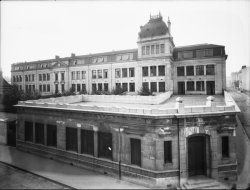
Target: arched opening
[{"x": 199, "y": 155}]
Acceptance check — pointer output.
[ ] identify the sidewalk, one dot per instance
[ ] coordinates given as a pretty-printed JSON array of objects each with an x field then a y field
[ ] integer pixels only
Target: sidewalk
[{"x": 64, "y": 173}]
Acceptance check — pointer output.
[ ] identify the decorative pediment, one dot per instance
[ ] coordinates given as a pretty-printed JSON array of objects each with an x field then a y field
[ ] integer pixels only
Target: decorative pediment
[{"x": 59, "y": 64}]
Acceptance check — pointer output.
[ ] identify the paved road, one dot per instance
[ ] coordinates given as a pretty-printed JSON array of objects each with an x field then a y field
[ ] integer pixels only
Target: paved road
[
  {"x": 12, "y": 178},
  {"x": 243, "y": 140},
  {"x": 61, "y": 172}
]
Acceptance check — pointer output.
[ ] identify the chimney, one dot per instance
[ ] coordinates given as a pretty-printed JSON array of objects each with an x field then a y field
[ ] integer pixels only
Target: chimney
[
  {"x": 169, "y": 26},
  {"x": 57, "y": 57}
]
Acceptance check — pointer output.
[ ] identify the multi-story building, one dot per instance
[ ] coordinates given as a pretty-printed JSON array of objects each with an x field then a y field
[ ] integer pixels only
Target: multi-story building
[
  {"x": 156, "y": 64},
  {"x": 240, "y": 79}
]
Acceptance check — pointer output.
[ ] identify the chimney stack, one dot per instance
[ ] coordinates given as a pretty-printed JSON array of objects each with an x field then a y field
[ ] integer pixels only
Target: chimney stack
[{"x": 169, "y": 26}]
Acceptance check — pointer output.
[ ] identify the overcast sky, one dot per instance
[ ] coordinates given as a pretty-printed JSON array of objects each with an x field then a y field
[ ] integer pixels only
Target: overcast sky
[{"x": 39, "y": 30}]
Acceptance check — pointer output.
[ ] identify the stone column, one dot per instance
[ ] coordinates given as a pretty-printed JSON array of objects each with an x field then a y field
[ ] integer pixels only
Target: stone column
[{"x": 95, "y": 129}]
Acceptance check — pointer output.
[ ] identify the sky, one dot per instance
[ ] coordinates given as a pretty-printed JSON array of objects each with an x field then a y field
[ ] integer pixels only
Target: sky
[{"x": 37, "y": 30}]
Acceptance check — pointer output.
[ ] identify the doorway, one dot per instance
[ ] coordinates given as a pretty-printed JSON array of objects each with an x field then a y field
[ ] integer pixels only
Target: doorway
[
  {"x": 210, "y": 87},
  {"x": 11, "y": 133},
  {"x": 181, "y": 88},
  {"x": 197, "y": 162}
]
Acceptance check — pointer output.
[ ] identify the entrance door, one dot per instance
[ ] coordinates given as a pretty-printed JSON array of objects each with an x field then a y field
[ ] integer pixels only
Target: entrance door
[
  {"x": 11, "y": 133},
  {"x": 197, "y": 155},
  {"x": 135, "y": 145},
  {"x": 181, "y": 88},
  {"x": 210, "y": 88}
]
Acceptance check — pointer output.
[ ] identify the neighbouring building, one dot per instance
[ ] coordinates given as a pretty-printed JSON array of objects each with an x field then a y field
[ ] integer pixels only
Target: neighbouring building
[
  {"x": 240, "y": 79},
  {"x": 156, "y": 64},
  {"x": 159, "y": 141}
]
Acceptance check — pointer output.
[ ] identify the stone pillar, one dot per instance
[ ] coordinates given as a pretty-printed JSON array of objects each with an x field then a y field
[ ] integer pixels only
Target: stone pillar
[{"x": 95, "y": 129}]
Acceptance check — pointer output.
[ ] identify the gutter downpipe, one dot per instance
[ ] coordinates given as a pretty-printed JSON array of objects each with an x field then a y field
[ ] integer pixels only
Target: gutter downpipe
[{"x": 179, "y": 160}]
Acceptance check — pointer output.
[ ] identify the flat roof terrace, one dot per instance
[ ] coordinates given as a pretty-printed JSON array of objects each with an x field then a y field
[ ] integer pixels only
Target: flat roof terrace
[{"x": 164, "y": 104}]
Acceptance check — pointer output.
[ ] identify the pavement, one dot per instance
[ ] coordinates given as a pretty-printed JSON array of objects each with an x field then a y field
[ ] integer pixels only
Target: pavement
[{"x": 63, "y": 173}]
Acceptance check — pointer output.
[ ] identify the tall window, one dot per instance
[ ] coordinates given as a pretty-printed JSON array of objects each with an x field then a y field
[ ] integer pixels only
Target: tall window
[
  {"x": 147, "y": 50},
  {"x": 131, "y": 72},
  {"x": 62, "y": 77},
  {"x": 209, "y": 69},
  {"x": 152, "y": 49},
  {"x": 83, "y": 87},
  {"x": 180, "y": 71},
  {"x": 145, "y": 85},
  {"x": 190, "y": 70},
  {"x": 161, "y": 70},
  {"x": 105, "y": 73},
  {"x": 144, "y": 71},
  {"x": 188, "y": 54},
  {"x": 51, "y": 135},
  {"x": 190, "y": 85},
  {"x": 94, "y": 87},
  {"x": 124, "y": 72},
  {"x": 153, "y": 87},
  {"x": 157, "y": 49},
  {"x": 209, "y": 52},
  {"x": 83, "y": 74},
  {"x": 200, "y": 53},
  {"x": 28, "y": 126},
  {"x": 200, "y": 86},
  {"x": 40, "y": 88},
  {"x": 167, "y": 151},
  {"x": 39, "y": 133},
  {"x": 93, "y": 74},
  {"x": 143, "y": 50},
  {"x": 71, "y": 139},
  {"x": 125, "y": 87},
  {"x": 73, "y": 87},
  {"x": 135, "y": 146},
  {"x": 40, "y": 77},
  {"x": 44, "y": 77},
  {"x": 106, "y": 87},
  {"x": 44, "y": 88},
  {"x": 162, "y": 48},
  {"x": 56, "y": 88},
  {"x": 48, "y": 76},
  {"x": 105, "y": 145},
  {"x": 200, "y": 70},
  {"x": 100, "y": 86},
  {"x": 62, "y": 87},
  {"x": 56, "y": 76},
  {"x": 117, "y": 73},
  {"x": 99, "y": 74},
  {"x": 152, "y": 71},
  {"x": 131, "y": 87},
  {"x": 225, "y": 146},
  {"x": 33, "y": 77},
  {"x": 77, "y": 75},
  {"x": 87, "y": 142},
  {"x": 48, "y": 87},
  {"x": 78, "y": 87},
  {"x": 161, "y": 86}
]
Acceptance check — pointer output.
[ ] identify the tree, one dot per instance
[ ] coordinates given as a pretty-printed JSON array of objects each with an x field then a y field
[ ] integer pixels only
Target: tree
[{"x": 144, "y": 91}]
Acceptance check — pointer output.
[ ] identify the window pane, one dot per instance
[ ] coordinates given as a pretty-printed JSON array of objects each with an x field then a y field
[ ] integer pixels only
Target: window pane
[
  {"x": 99, "y": 74},
  {"x": 161, "y": 70},
  {"x": 225, "y": 146},
  {"x": 147, "y": 50},
  {"x": 93, "y": 74},
  {"x": 105, "y": 73},
  {"x": 153, "y": 87},
  {"x": 117, "y": 73},
  {"x": 200, "y": 70},
  {"x": 144, "y": 71},
  {"x": 78, "y": 75},
  {"x": 152, "y": 70},
  {"x": 99, "y": 86},
  {"x": 78, "y": 87},
  {"x": 143, "y": 50},
  {"x": 152, "y": 49},
  {"x": 190, "y": 70},
  {"x": 209, "y": 52},
  {"x": 106, "y": 87},
  {"x": 209, "y": 69},
  {"x": 180, "y": 71},
  {"x": 161, "y": 86},
  {"x": 52, "y": 135},
  {"x": 135, "y": 145},
  {"x": 162, "y": 48},
  {"x": 105, "y": 145},
  {"x": 93, "y": 87},
  {"x": 71, "y": 139},
  {"x": 187, "y": 54},
  {"x": 200, "y": 86},
  {"x": 124, "y": 72},
  {"x": 125, "y": 87},
  {"x": 157, "y": 49},
  {"x": 131, "y": 87},
  {"x": 131, "y": 72},
  {"x": 190, "y": 86},
  {"x": 168, "y": 151},
  {"x": 87, "y": 142}
]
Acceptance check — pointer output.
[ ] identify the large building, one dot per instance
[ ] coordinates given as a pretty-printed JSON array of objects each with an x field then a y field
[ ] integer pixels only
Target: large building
[
  {"x": 162, "y": 140},
  {"x": 240, "y": 79},
  {"x": 156, "y": 63}
]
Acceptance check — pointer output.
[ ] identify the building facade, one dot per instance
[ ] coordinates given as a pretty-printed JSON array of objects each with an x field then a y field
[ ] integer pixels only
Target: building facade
[
  {"x": 156, "y": 64},
  {"x": 240, "y": 79}
]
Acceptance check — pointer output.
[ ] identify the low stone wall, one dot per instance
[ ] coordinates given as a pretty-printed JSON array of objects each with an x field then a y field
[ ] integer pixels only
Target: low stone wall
[{"x": 229, "y": 101}]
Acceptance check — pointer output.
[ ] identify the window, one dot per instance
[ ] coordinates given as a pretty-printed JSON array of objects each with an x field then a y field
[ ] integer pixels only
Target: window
[
  {"x": 106, "y": 87},
  {"x": 26, "y": 88},
  {"x": 147, "y": 50},
  {"x": 93, "y": 74},
  {"x": 56, "y": 76},
  {"x": 145, "y": 85},
  {"x": 93, "y": 87},
  {"x": 131, "y": 87},
  {"x": 190, "y": 85},
  {"x": 44, "y": 77},
  {"x": 62, "y": 87},
  {"x": 180, "y": 71},
  {"x": 200, "y": 70},
  {"x": 28, "y": 131},
  {"x": 44, "y": 88},
  {"x": 73, "y": 87},
  {"x": 99, "y": 86},
  {"x": 117, "y": 85},
  {"x": 143, "y": 50},
  {"x": 14, "y": 79},
  {"x": 200, "y": 53},
  {"x": 83, "y": 74},
  {"x": 190, "y": 70},
  {"x": 208, "y": 52},
  {"x": 73, "y": 75},
  {"x": 48, "y": 88},
  {"x": 62, "y": 77},
  {"x": 51, "y": 135},
  {"x": 99, "y": 72},
  {"x": 200, "y": 86},
  {"x": 135, "y": 146},
  {"x": 117, "y": 73},
  {"x": 131, "y": 72},
  {"x": 125, "y": 87},
  {"x": 144, "y": 71},
  {"x": 180, "y": 55},
  {"x": 84, "y": 87},
  {"x": 152, "y": 49},
  {"x": 161, "y": 70},
  {"x": 29, "y": 77},
  {"x": 40, "y": 88},
  {"x": 162, "y": 48},
  {"x": 56, "y": 88},
  {"x": 209, "y": 69},
  {"x": 161, "y": 86},
  {"x": 39, "y": 133},
  {"x": 188, "y": 54},
  {"x": 105, "y": 145},
  {"x": 225, "y": 146},
  {"x": 157, "y": 49},
  {"x": 48, "y": 76},
  {"x": 40, "y": 77},
  {"x": 33, "y": 77},
  {"x": 77, "y": 75},
  {"x": 124, "y": 72},
  {"x": 152, "y": 71},
  {"x": 33, "y": 88},
  {"x": 71, "y": 139},
  {"x": 105, "y": 73},
  {"x": 153, "y": 87},
  {"x": 168, "y": 151},
  {"x": 78, "y": 87},
  {"x": 87, "y": 142},
  {"x": 20, "y": 78}
]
